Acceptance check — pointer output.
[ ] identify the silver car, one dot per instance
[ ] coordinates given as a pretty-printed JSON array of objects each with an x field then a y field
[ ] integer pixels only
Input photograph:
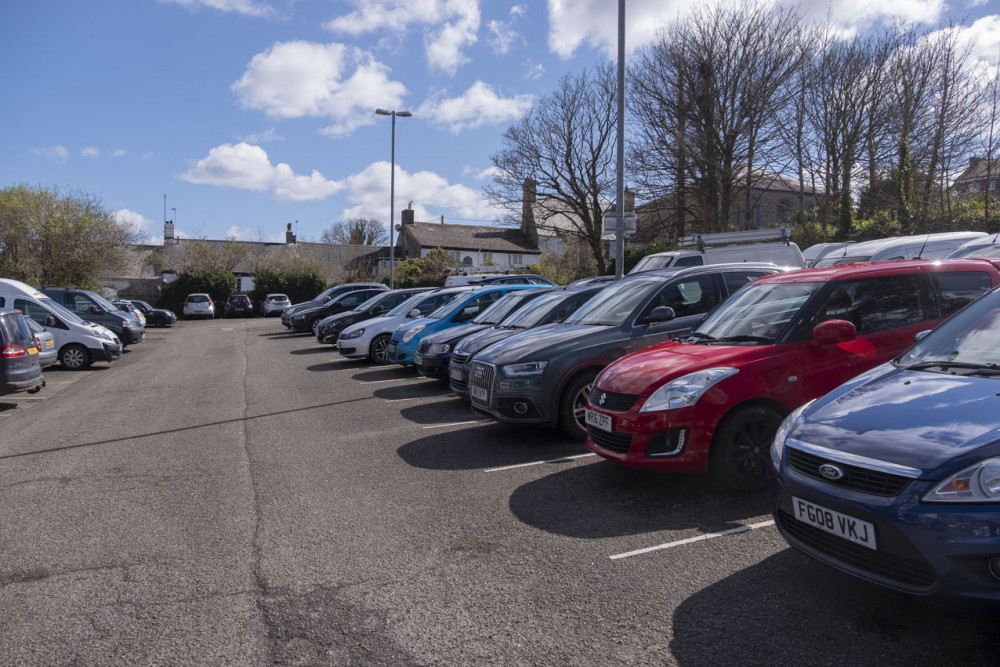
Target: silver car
[
  {"x": 274, "y": 304},
  {"x": 47, "y": 352}
]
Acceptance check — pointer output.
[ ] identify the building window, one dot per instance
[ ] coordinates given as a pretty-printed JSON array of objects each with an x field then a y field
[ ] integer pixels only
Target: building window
[
  {"x": 993, "y": 185},
  {"x": 487, "y": 257},
  {"x": 516, "y": 260},
  {"x": 974, "y": 187}
]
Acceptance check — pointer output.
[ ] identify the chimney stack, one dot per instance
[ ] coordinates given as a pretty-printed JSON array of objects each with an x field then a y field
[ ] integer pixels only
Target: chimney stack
[
  {"x": 528, "y": 196},
  {"x": 289, "y": 236},
  {"x": 168, "y": 230}
]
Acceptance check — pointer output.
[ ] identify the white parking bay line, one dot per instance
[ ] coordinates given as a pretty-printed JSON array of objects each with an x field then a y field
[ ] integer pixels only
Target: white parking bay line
[
  {"x": 381, "y": 381},
  {"x": 25, "y": 398},
  {"x": 691, "y": 540},
  {"x": 476, "y": 421},
  {"x": 418, "y": 398},
  {"x": 561, "y": 459}
]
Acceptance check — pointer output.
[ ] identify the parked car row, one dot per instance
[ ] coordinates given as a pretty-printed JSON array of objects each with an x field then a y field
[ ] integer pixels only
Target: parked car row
[{"x": 884, "y": 454}]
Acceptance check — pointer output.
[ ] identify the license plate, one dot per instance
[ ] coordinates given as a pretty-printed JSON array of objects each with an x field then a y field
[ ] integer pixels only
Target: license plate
[
  {"x": 418, "y": 361},
  {"x": 478, "y": 393},
  {"x": 48, "y": 344},
  {"x": 456, "y": 374},
  {"x": 599, "y": 420},
  {"x": 835, "y": 523},
  {"x": 32, "y": 350}
]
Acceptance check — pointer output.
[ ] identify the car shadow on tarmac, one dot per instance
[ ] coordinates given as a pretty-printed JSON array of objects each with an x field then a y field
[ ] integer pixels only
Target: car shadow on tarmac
[
  {"x": 385, "y": 373},
  {"x": 789, "y": 609},
  {"x": 490, "y": 445},
  {"x": 609, "y": 500}
]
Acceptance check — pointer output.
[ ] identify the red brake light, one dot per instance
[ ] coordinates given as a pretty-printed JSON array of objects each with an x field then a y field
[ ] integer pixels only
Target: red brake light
[{"x": 11, "y": 351}]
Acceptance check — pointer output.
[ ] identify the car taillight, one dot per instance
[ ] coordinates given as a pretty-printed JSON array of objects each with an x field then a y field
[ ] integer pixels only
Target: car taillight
[
  {"x": 38, "y": 342},
  {"x": 11, "y": 351}
]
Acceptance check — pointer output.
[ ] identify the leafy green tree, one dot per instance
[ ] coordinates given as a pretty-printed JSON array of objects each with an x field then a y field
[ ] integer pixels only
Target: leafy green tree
[
  {"x": 429, "y": 271},
  {"x": 217, "y": 284},
  {"x": 53, "y": 238}
]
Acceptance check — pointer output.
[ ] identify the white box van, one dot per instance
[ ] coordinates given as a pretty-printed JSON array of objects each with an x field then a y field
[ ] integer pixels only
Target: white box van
[
  {"x": 918, "y": 246},
  {"x": 727, "y": 248},
  {"x": 79, "y": 343}
]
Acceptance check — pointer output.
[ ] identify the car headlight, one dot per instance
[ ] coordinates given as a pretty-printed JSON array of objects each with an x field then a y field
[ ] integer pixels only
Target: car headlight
[
  {"x": 976, "y": 484},
  {"x": 408, "y": 336},
  {"x": 347, "y": 335},
  {"x": 790, "y": 422},
  {"x": 439, "y": 348},
  {"x": 299, "y": 318},
  {"x": 685, "y": 391},
  {"x": 526, "y": 369},
  {"x": 104, "y": 335}
]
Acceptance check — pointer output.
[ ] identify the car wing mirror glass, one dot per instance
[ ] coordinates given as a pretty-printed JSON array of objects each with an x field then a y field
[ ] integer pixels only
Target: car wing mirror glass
[
  {"x": 413, "y": 313},
  {"x": 659, "y": 314},
  {"x": 50, "y": 321},
  {"x": 832, "y": 332}
]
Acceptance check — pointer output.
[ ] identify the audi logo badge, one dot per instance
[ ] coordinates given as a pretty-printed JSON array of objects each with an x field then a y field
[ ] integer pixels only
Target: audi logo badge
[
  {"x": 603, "y": 397},
  {"x": 831, "y": 472}
]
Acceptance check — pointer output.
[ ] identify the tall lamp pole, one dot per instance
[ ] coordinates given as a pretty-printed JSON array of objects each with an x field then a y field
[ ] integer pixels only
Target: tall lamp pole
[{"x": 392, "y": 193}]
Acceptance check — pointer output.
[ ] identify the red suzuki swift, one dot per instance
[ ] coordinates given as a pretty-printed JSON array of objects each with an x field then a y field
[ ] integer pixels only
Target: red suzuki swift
[{"x": 713, "y": 398}]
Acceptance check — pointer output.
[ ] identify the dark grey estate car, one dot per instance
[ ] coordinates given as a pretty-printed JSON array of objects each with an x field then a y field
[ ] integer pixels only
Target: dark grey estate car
[{"x": 544, "y": 375}]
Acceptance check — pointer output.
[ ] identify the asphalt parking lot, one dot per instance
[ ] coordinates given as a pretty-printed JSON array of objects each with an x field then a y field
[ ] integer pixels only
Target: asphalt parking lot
[{"x": 228, "y": 493}]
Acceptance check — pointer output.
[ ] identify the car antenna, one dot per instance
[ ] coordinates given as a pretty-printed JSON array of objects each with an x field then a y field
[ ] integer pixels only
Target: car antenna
[{"x": 926, "y": 239}]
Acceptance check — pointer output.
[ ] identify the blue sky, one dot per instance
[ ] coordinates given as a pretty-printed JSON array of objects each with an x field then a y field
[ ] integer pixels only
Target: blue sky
[{"x": 250, "y": 114}]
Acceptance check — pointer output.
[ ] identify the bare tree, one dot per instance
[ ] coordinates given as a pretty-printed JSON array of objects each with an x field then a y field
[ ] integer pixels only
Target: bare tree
[
  {"x": 990, "y": 141},
  {"x": 356, "y": 231},
  {"x": 565, "y": 147}
]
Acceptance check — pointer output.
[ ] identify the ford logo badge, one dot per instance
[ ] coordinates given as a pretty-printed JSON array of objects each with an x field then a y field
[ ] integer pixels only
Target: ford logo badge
[{"x": 831, "y": 472}]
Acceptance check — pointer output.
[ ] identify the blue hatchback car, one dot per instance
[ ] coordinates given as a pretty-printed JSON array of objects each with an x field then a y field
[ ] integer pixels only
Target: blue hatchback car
[
  {"x": 894, "y": 477},
  {"x": 406, "y": 338}
]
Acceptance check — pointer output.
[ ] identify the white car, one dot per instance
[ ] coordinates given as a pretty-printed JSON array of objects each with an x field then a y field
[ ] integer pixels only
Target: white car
[
  {"x": 199, "y": 305},
  {"x": 274, "y": 304},
  {"x": 369, "y": 339}
]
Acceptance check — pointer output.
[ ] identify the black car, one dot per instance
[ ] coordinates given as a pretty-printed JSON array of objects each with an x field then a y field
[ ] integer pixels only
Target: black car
[
  {"x": 155, "y": 317},
  {"x": 326, "y": 295},
  {"x": 19, "y": 366},
  {"x": 239, "y": 305},
  {"x": 543, "y": 376},
  {"x": 329, "y": 328},
  {"x": 308, "y": 318}
]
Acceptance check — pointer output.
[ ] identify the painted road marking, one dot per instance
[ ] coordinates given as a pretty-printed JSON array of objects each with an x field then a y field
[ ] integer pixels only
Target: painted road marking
[
  {"x": 477, "y": 421},
  {"x": 691, "y": 540},
  {"x": 562, "y": 459}
]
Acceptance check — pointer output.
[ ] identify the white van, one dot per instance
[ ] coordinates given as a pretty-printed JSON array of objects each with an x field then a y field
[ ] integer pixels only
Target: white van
[
  {"x": 989, "y": 246},
  {"x": 918, "y": 246},
  {"x": 727, "y": 248},
  {"x": 79, "y": 343},
  {"x": 818, "y": 251}
]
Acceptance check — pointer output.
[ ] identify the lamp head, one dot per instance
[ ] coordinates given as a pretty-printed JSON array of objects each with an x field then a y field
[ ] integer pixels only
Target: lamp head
[{"x": 383, "y": 112}]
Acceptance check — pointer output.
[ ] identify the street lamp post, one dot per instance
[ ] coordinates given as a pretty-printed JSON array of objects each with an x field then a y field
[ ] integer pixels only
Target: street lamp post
[{"x": 392, "y": 192}]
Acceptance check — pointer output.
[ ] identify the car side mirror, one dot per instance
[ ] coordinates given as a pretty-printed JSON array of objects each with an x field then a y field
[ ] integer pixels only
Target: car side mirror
[
  {"x": 378, "y": 310},
  {"x": 413, "y": 313},
  {"x": 50, "y": 321},
  {"x": 832, "y": 332},
  {"x": 921, "y": 335},
  {"x": 659, "y": 314},
  {"x": 95, "y": 309}
]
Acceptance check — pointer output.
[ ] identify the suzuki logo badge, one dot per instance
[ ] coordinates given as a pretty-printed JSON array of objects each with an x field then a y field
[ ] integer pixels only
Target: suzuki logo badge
[
  {"x": 831, "y": 472},
  {"x": 603, "y": 397}
]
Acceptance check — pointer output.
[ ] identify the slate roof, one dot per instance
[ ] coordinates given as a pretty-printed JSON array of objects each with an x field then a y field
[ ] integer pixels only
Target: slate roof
[{"x": 468, "y": 237}]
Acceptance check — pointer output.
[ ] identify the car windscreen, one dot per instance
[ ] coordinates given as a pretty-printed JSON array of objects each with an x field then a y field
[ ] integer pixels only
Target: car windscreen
[
  {"x": 407, "y": 306},
  {"x": 61, "y": 311},
  {"x": 965, "y": 344},
  {"x": 15, "y": 330},
  {"x": 503, "y": 307},
  {"x": 761, "y": 311},
  {"x": 613, "y": 305},
  {"x": 102, "y": 302},
  {"x": 370, "y": 303},
  {"x": 650, "y": 262},
  {"x": 447, "y": 309},
  {"x": 533, "y": 313}
]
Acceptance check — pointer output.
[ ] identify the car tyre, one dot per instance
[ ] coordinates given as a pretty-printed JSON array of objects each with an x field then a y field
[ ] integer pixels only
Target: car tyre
[
  {"x": 74, "y": 357},
  {"x": 573, "y": 405},
  {"x": 314, "y": 326},
  {"x": 741, "y": 448},
  {"x": 379, "y": 350}
]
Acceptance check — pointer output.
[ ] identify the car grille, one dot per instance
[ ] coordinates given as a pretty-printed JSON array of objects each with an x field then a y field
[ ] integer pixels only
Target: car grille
[
  {"x": 908, "y": 572},
  {"x": 459, "y": 358},
  {"x": 611, "y": 401},
  {"x": 482, "y": 376},
  {"x": 855, "y": 478},
  {"x": 423, "y": 347},
  {"x": 613, "y": 442}
]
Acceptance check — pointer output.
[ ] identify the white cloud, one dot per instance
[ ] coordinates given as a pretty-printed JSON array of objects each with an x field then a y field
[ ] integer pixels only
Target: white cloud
[
  {"x": 55, "y": 153},
  {"x": 247, "y": 234},
  {"x": 984, "y": 38},
  {"x": 120, "y": 152},
  {"x": 477, "y": 106},
  {"x": 505, "y": 33},
  {"x": 136, "y": 221},
  {"x": 148, "y": 155},
  {"x": 270, "y": 134},
  {"x": 248, "y": 168},
  {"x": 533, "y": 71},
  {"x": 246, "y": 7},
  {"x": 450, "y": 25},
  {"x": 574, "y": 23},
  {"x": 430, "y": 193},
  {"x": 480, "y": 174},
  {"x": 296, "y": 79},
  {"x": 90, "y": 151}
]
